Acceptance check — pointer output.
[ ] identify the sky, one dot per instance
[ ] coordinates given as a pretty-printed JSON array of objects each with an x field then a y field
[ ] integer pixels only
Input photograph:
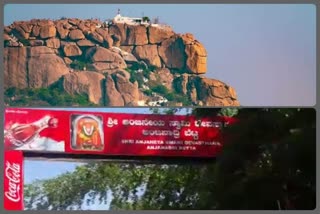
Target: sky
[
  {"x": 36, "y": 169},
  {"x": 266, "y": 52}
]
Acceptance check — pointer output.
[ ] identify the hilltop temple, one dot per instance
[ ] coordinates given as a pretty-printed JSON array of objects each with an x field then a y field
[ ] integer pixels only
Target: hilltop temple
[{"x": 128, "y": 20}]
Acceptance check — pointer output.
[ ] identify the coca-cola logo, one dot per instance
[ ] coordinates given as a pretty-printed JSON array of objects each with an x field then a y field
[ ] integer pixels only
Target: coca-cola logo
[{"x": 12, "y": 174}]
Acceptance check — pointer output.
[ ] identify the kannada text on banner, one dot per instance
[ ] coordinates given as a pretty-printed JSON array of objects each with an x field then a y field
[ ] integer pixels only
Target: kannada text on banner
[{"x": 113, "y": 133}]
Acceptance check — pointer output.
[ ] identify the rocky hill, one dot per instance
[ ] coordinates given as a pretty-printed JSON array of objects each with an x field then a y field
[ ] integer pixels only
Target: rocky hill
[{"x": 112, "y": 64}]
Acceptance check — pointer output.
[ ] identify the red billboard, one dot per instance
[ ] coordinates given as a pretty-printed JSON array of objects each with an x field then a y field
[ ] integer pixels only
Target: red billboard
[
  {"x": 13, "y": 180},
  {"x": 113, "y": 134},
  {"x": 109, "y": 134}
]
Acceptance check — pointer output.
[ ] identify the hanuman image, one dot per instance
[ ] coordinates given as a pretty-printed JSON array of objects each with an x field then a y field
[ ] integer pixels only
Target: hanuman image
[{"x": 88, "y": 133}]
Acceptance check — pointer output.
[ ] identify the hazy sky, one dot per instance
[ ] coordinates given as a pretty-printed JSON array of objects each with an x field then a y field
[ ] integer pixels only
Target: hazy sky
[{"x": 266, "y": 52}]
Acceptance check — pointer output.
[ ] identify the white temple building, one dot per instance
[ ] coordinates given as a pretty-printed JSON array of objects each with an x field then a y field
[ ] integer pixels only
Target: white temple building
[{"x": 128, "y": 20}]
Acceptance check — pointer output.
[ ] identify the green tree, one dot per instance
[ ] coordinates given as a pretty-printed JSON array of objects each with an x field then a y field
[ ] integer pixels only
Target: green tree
[
  {"x": 146, "y": 19},
  {"x": 229, "y": 112},
  {"x": 10, "y": 92},
  {"x": 52, "y": 96},
  {"x": 269, "y": 161}
]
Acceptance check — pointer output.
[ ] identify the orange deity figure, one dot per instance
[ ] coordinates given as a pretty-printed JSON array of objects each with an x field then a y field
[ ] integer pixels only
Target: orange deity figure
[{"x": 88, "y": 134}]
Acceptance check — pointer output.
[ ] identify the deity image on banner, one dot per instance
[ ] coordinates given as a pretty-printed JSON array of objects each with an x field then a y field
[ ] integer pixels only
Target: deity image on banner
[{"x": 87, "y": 133}]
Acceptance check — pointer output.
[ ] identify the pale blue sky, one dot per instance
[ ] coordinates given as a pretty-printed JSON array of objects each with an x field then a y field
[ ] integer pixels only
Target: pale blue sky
[{"x": 266, "y": 52}]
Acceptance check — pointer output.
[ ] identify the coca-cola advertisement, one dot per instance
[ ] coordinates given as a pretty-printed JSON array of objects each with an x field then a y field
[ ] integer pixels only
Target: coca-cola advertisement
[
  {"x": 13, "y": 180},
  {"x": 113, "y": 134},
  {"x": 33, "y": 130}
]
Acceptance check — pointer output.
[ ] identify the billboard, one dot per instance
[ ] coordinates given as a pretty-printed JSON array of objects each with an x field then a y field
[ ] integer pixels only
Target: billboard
[
  {"x": 113, "y": 134},
  {"x": 13, "y": 180},
  {"x": 96, "y": 133}
]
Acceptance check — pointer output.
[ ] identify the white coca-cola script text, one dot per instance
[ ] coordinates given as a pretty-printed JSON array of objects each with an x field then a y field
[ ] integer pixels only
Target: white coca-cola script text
[{"x": 12, "y": 174}]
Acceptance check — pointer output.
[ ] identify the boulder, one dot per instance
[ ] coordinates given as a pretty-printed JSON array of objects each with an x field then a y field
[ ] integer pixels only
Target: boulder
[
  {"x": 100, "y": 54},
  {"x": 136, "y": 35},
  {"x": 74, "y": 22},
  {"x": 47, "y": 31},
  {"x": 96, "y": 37},
  {"x": 107, "y": 40},
  {"x": 85, "y": 43},
  {"x": 205, "y": 92},
  {"x": 129, "y": 91},
  {"x": 85, "y": 82},
  {"x": 102, "y": 31},
  {"x": 119, "y": 31},
  {"x": 53, "y": 43},
  {"x": 71, "y": 49},
  {"x": 214, "y": 92},
  {"x": 121, "y": 72},
  {"x": 15, "y": 67},
  {"x": 172, "y": 53},
  {"x": 27, "y": 27},
  {"x": 45, "y": 22},
  {"x": 21, "y": 34},
  {"x": 63, "y": 33},
  {"x": 128, "y": 57},
  {"x": 76, "y": 35},
  {"x": 196, "y": 58},
  {"x": 103, "y": 67},
  {"x": 113, "y": 96},
  {"x": 42, "y": 75},
  {"x": 67, "y": 60},
  {"x": 83, "y": 27},
  {"x": 38, "y": 51},
  {"x": 67, "y": 25},
  {"x": 24, "y": 67},
  {"x": 35, "y": 31},
  {"x": 149, "y": 54},
  {"x": 159, "y": 34}
]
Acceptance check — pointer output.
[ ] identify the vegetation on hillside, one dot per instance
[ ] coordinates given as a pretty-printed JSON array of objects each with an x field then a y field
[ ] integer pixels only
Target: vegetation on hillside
[
  {"x": 51, "y": 96},
  {"x": 142, "y": 75},
  {"x": 171, "y": 95}
]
